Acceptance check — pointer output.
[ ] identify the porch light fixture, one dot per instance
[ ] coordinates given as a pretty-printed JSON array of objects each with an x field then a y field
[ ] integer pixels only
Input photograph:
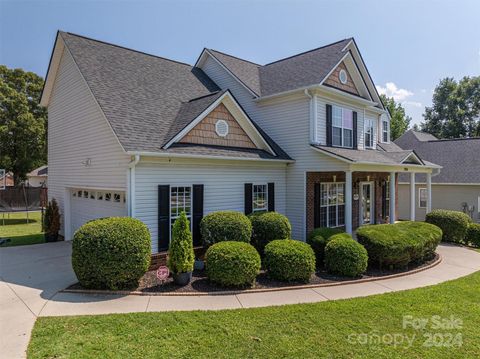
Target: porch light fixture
[{"x": 334, "y": 178}]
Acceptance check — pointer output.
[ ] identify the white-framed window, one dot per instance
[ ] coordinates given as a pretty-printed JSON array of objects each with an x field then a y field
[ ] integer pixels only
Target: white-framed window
[
  {"x": 117, "y": 197},
  {"x": 368, "y": 133},
  {"x": 180, "y": 200},
  {"x": 385, "y": 131},
  {"x": 422, "y": 198},
  {"x": 332, "y": 204},
  {"x": 100, "y": 196},
  {"x": 260, "y": 197},
  {"x": 342, "y": 127},
  {"x": 342, "y": 76},
  {"x": 108, "y": 196}
]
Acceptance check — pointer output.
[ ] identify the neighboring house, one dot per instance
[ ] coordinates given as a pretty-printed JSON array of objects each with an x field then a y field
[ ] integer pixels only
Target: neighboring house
[
  {"x": 456, "y": 187},
  {"x": 38, "y": 177},
  {"x": 132, "y": 134},
  {"x": 6, "y": 180}
]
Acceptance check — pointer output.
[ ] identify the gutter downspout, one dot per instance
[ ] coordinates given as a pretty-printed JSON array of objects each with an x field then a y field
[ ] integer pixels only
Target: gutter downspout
[
  {"x": 131, "y": 185},
  {"x": 313, "y": 114}
]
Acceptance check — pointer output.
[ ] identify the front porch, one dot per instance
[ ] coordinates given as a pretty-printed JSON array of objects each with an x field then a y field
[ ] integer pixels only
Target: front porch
[{"x": 356, "y": 197}]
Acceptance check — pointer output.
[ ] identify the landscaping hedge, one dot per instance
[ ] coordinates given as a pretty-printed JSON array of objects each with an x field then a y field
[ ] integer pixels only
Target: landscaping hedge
[
  {"x": 345, "y": 256},
  {"x": 401, "y": 243},
  {"x": 473, "y": 234},
  {"x": 454, "y": 224},
  {"x": 269, "y": 226},
  {"x": 225, "y": 226},
  {"x": 325, "y": 232},
  {"x": 111, "y": 253},
  {"x": 289, "y": 260},
  {"x": 318, "y": 244},
  {"x": 232, "y": 263}
]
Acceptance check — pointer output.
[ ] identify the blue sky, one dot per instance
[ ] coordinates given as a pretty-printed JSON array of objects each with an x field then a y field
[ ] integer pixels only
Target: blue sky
[{"x": 407, "y": 45}]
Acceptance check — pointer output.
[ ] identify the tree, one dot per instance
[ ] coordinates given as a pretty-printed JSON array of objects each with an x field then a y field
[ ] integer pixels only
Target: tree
[
  {"x": 399, "y": 120},
  {"x": 455, "y": 112},
  {"x": 23, "y": 122}
]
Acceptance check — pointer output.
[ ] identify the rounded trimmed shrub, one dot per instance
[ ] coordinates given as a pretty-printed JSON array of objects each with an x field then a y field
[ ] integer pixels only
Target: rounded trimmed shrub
[
  {"x": 325, "y": 232},
  {"x": 454, "y": 224},
  {"x": 232, "y": 263},
  {"x": 318, "y": 244},
  {"x": 269, "y": 226},
  {"x": 289, "y": 260},
  {"x": 345, "y": 256},
  {"x": 225, "y": 226},
  {"x": 401, "y": 243},
  {"x": 473, "y": 234},
  {"x": 111, "y": 253}
]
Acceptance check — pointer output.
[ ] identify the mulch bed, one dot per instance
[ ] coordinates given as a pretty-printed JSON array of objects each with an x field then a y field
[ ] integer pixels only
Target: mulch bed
[{"x": 149, "y": 283}]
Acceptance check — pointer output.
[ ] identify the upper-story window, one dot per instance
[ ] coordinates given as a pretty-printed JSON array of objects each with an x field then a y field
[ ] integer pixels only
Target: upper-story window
[
  {"x": 385, "y": 131},
  {"x": 342, "y": 127},
  {"x": 368, "y": 132}
]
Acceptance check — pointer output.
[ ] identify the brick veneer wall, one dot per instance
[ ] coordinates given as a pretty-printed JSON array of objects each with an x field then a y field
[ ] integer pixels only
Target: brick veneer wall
[
  {"x": 376, "y": 177},
  {"x": 204, "y": 132}
]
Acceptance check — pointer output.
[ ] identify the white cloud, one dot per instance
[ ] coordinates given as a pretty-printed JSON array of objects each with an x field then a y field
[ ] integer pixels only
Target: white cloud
[
  {"x": 391, "y": 90},
  {"x": 412, "y": 103},
  {"x": 423, "y": 90}
]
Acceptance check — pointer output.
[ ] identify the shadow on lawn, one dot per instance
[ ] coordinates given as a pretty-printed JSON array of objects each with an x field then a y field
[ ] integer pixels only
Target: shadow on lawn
[{"x": 13, "y": 221}]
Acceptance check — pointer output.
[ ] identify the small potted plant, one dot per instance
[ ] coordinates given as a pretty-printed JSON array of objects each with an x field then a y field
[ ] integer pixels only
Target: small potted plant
[
  {"x": 51, "y": 221},
  {"x": 180, "y": 252}
]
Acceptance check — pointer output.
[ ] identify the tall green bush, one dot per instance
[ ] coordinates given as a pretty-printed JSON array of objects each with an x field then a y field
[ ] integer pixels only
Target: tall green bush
[
  {"x": 51, "y": 221},
  {"x": 225, "y": 226},
  {"x": 181, "y": 256},
  {"x": 325, "y": 232},
  {"x": 269, "y": 226},
  {"x": 111, "y": 253},
  {"x": 454, "y": 224},
  {"x": 473, "y": 234}
]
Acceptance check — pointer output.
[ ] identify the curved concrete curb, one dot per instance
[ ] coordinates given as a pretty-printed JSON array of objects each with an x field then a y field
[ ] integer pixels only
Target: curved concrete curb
[{"x": 253, "y": 290}]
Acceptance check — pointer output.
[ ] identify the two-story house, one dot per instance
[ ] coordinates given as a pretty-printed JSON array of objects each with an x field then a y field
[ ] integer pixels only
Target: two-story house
[{"x": 132, "y": 134}]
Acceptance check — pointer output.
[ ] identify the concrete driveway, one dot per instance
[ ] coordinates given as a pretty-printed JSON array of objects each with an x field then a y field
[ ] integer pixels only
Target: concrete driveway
[{"x": 31, "y": 277}]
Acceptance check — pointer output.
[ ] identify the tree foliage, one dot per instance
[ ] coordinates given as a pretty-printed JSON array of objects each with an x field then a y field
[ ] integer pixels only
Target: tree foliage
[
  {"x": 455, "y": 112},
  {"x": 23, "y": 122},
  {"x": 400, "y": 121}
]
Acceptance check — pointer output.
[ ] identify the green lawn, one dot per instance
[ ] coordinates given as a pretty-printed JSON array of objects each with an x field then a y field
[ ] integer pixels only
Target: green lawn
[
  {"x": 320, "y": 330},
  {"x": 19, "y": 231}
]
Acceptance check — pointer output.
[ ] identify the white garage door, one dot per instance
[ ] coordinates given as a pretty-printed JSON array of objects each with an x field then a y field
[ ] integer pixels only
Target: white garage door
[{"x": 91, "y": 204}]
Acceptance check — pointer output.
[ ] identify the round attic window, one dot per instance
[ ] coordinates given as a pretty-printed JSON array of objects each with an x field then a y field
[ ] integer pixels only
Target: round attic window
[
  {"x": 343, "y": 76},
  {"x": 221, "y": 128}
]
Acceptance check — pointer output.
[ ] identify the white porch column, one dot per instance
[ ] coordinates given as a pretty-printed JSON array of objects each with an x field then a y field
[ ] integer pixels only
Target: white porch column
[
  {"x": 412, "y": 196},
  {"x": 392, "y": 197},
  {"x": 429, "y": 192},
  {"x": 348, "y": 201}
]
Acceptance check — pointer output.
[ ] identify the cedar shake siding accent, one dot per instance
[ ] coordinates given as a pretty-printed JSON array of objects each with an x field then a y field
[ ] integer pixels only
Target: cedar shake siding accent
[
  {"x": 314, "y": 178},
  {"x": 334, "y": 80},
  {"x": 204, "y": 132}
]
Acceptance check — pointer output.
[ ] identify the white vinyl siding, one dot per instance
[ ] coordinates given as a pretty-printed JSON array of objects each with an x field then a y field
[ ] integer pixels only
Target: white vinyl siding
[
  {"x": 322, "y": 119},
  {"x": 224, "y": 185},
  {"x": 77, "y": 131}
]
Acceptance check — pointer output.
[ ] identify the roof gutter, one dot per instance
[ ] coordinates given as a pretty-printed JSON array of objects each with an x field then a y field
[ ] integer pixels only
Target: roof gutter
[{"x": 208, "y": 157}]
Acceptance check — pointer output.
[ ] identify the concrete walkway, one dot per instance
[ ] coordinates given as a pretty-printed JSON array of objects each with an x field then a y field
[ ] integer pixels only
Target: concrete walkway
[{"x": 31, "y": 277}]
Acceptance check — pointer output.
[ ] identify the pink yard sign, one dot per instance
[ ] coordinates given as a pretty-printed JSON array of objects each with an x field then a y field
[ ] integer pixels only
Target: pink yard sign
[{"x": 163, "y": 273}]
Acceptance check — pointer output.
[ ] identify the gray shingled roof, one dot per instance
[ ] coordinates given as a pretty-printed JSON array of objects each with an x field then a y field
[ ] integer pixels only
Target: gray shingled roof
[
  {"x": 302, "y": 70},
  {"x": 222, "y": 151},
  {"x": 460, "y": 158},
  {"x": 146, "y": 99},
  {"x": 367, "y": 156}
]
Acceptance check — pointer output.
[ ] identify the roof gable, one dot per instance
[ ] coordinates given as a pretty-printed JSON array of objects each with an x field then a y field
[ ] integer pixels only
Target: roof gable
[{"x": 235, "y": 113}]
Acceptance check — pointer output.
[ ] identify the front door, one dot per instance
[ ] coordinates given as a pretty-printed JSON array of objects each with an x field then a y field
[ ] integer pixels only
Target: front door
[{"x": 367, "y": 203}]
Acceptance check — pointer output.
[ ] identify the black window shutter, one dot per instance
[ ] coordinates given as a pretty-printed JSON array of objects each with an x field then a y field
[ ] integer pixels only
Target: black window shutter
[
  {"x": 329, "y": 125},
  {"x": 197, "y": 213},
  {"x": 316, "y": 205},
  {"x": 271, "y": 197},
  {"x": 355, "y": 142},
  {"x": 163, "y": 217},
  {"x": 248, "y": 198}
]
